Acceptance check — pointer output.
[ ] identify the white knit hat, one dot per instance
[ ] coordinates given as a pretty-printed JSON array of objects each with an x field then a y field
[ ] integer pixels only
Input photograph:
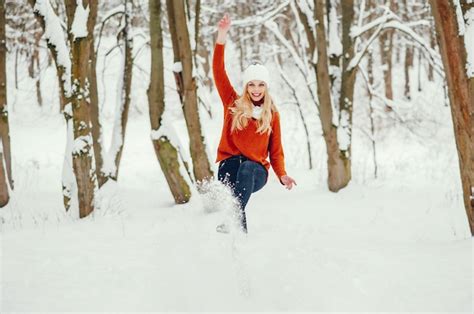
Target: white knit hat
[{"x": 256, "y": 72}]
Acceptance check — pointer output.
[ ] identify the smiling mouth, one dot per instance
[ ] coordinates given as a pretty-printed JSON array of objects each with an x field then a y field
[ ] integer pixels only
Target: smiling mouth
[{"x": 256, "y": 95}]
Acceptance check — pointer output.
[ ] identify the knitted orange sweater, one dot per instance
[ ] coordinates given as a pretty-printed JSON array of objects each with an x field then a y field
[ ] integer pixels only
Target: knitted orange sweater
[{"x": 245, "y": 142}]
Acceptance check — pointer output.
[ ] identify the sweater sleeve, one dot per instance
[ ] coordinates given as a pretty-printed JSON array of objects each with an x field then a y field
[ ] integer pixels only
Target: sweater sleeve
[
  {"x": 277, "y": 157},
  {"x": 221, "y": 80}
]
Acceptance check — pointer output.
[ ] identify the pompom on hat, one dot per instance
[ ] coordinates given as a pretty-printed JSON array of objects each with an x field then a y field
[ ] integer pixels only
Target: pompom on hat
[{"x": 256, "y": 72}]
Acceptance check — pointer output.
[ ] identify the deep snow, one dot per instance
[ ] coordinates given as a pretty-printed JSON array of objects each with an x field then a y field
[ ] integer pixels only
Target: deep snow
[{"x": 396, "y": 243}]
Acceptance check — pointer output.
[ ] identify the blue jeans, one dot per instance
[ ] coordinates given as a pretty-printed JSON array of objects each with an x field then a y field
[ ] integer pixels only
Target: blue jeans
[{"x": 244, "y": 177}]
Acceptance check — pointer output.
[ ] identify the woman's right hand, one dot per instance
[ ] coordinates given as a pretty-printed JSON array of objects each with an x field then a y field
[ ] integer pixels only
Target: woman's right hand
[
  {"x": 224, "y": 23},
  {"x": 222, "y": 28}
]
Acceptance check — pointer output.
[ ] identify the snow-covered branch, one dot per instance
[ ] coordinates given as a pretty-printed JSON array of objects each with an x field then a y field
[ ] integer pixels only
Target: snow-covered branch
[
  {"x": 433, "y": 55},
  {"x": 358, "y": 56},
  {"x": 262, "y": 17},
  {"x": 359, "y": 30},
  {"x": 110, "y": 14},
  {"x": 55, "y": 37},
  {"x": 273, "y": 27},
  {"x": 387, "y": 21},
  {"x": 306, "y": 10}
]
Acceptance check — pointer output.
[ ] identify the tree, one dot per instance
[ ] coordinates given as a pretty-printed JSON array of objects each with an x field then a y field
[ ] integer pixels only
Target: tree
[
  {"x": 183, "y": 57},
  {"x": 5, "y": 150},
  {"x": 120, "y": 124},
  {"x": 338, "y": 159},
  {"x": 72, "y": 65},
  {"x": 165, "y": 150},
  {"x": 386, "y": 51},
  {"x": 81, "y": 21},
  {"x": 451, "y": 39}
]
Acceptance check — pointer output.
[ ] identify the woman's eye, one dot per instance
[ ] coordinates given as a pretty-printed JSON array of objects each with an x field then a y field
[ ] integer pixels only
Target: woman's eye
[{"x": 261, "y": 85}]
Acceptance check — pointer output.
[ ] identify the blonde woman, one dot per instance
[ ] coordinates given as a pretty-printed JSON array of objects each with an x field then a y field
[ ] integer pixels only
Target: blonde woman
[{"x": 251, "y": 131}]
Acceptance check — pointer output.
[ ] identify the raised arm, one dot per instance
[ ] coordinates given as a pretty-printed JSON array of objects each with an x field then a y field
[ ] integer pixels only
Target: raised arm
[{"x": 221, "y": 80}]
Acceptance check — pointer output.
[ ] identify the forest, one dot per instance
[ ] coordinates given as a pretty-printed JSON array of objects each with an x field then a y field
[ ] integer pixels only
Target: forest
[{"x": 110, "y": 134}]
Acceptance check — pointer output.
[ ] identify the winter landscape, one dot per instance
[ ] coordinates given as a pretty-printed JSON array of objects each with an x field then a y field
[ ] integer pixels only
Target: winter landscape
[{"x": 395, "y": 238}]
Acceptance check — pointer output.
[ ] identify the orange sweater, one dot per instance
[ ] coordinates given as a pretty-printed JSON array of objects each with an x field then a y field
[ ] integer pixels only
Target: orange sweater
[{"x": 245, "y": 142}]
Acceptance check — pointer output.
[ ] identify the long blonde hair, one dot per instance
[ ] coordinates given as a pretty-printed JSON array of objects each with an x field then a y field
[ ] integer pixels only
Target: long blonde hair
[{"x": 242, "y": 112}]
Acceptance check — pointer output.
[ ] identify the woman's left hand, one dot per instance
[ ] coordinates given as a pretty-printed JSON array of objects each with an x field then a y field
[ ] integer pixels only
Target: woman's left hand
[{"x": 288, "y": 182}]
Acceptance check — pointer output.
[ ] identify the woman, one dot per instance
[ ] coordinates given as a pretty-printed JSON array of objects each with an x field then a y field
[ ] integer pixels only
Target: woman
[{"x": 251, "y": 130}]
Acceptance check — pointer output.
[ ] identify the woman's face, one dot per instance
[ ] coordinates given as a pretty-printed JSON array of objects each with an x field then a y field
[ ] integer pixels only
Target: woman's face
[{"x": 256, "y": 90}]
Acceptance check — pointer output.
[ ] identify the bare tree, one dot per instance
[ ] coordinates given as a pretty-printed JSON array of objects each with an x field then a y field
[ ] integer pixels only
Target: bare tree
[
  {"x": 5, "y": 150},
  {"x": 184, "y": 57},
  {"x": 386, "y": 51},
  {"x": 96, "y": 128},
  {"x": 120, "y": 124},
  {"x": 82, "y": 155},
  {"x": 166, "y": 152},
  {"x": 461, "y": 91},
  {"x": 72, "y": 64}
]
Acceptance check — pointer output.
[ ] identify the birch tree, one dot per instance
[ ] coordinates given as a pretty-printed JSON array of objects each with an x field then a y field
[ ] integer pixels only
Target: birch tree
[{"x": 455, "y": 31}]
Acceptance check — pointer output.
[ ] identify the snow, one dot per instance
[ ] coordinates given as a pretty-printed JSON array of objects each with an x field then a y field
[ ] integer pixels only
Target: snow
[
  {"x": 335, "y": 45},
  {"x": 79, "y": 24},
  {"x": 177, "y": 67},
  {"x": 469, "y": 41},
  {"x": 362, "y": 249},
  {"x": 109, "y": 166},
  {"x": 344, "y": 131},
  {"x": 82, "y": 144},
  {"x": 459, "y": 17},
  {"x": 68, "y": 180},
  {"x": 398, "y": 243}
]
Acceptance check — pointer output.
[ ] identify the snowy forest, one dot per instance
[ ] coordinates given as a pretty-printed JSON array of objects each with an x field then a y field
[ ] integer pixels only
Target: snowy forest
[{"x": 112, "y": 122}]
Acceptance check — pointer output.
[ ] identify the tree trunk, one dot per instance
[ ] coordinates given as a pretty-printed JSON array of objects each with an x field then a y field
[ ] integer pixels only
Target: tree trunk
[
  {"x": 68, "y": 185},
  {"x": 83, "y": 150},
  {"x": 433, "y": 46},
  {"x": 120, "y": 126},
  {"x": 201, "y": 167},
  {"x": 386, "y": 39},
  {"x": 97, "y": 138},
  {"x": 461, "y": 95},
  {"x": 347, "y": 89},
  {"x": 408, "y": 57},
  {"x": 17, "y": 54},
  {"x": 34, "y": 69},
  {"x": 5, "y": 151},
  {"x": 337, "y": 177},
  {"x": 408, "y": 66},
  {"x": 334, "y": 59},
  {"x": 178, "y": 73},
  {"x": 165, "y": 151}
]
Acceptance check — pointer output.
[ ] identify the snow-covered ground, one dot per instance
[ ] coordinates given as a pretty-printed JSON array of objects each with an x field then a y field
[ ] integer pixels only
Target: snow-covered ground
[
  {"x": 396, "y": 243},
  {"x": 385, "y": 245}
]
